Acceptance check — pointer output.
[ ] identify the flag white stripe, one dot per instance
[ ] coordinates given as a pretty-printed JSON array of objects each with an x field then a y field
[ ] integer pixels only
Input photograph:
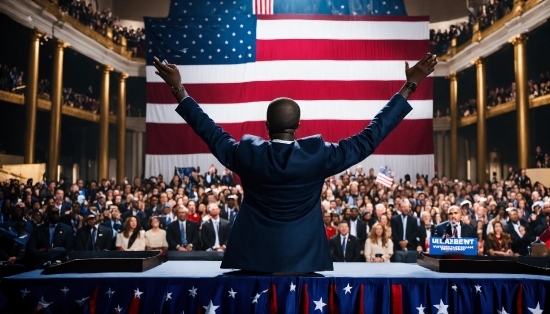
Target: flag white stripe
[
  {"x": 315, "y": 70},
  {"x": 360, "y": 30},
  {"x": 310, "y": 110},
  {"x": 401, "y": 164}
]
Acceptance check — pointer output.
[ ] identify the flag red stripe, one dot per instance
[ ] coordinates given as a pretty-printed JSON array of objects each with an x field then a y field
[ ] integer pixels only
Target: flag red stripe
[
  {"x": 171, "y": 139},
  {"x": 273, "y": 299},
  {"x": 396, "y": 299},
  {"x": 304, "y": 307},
  {"x": 327, "y": 49},
  {"x": 332, "y": 303},
  {"x": 134, "y": 305},
  {"x": 319, "y": 17},
  {"x": 228, "y": 93},
  {"x": 361, "y": 301}
]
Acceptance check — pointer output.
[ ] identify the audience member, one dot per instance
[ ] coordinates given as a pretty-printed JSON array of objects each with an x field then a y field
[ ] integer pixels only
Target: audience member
[
  {"x": 499, "y": 243},
  {"x": 345, "y": 247},
  {"x": 155, "y": 237},
  {"x": 183, "y": 234},
  {"x": 132, "y": 238},
  {"x": 378, "y": 246}
]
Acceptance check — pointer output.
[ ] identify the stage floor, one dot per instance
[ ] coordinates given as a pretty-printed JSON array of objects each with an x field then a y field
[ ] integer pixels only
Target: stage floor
[{"x": 199, "y": 286}]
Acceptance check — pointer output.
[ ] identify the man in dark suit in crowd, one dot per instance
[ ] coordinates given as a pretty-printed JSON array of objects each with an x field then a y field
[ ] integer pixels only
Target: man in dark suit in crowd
[
  {"x": 519, "y": 231},
  {"x": 455, "y": 228},
  {"x": 183, "y": 234},
  {"x": 60, "y": 202},
  {"x": 426, "y": 230},
  {"x": 404, "y": 233},
  {"x": 214, "y": 232},
  {"x": 135, "y": 211},
  {"x": 344, "y": 247},
  {"x": 523, "y": 180},
  {"x": 167, "y": 216},
  {"x": 229, "y": 209},
  {"x": 541, "y": 224},
  {"x": 289, "y": 167},
  {"x": 93, "y": 237},
  {"x": 50, "y": 241},
  {"x": 358, "y": 228}
]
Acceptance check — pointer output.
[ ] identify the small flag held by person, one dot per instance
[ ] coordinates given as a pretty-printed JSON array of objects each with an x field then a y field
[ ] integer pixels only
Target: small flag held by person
[{"x": 385, "y": 177}]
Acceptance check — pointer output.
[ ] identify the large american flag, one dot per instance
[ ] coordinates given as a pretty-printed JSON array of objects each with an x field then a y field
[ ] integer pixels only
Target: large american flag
[{"x": 341, "y": 67}]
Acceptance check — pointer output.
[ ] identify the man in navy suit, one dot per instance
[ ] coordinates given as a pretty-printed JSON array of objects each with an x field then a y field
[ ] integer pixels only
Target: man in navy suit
[
  {"x": 61, "y": 203},
  {"x": 271, "y": 233},
  {"x": 455, "y": 228},
  {"x": 344, "y": 247},
  {"x": 183, "y": 234},
  {"x": 215, "y": 231}
]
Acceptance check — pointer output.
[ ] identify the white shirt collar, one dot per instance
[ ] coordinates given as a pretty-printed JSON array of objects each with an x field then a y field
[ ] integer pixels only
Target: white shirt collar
[{"x": 276, "y": 140}]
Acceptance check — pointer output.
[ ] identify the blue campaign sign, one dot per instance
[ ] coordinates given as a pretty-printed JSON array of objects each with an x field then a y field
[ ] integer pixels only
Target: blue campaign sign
[{"x": 462, "y": 246}]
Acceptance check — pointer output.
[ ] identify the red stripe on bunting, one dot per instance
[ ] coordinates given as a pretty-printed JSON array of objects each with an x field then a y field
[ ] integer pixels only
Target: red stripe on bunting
[
  {"x": 273, "y": 299},
  {"x": 396, "y": 299},
  {"x": 519, "y": 300},
  {"x": 332, "y": 297},
  {"x": 304, "y": 306},
  {"x": 93, "y": 300},
  {"x": 361, "y": 301}
]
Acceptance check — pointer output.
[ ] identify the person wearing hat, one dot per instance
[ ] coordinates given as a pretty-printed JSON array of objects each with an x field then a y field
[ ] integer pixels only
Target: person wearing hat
[
  {"x": 50, "y": 241},
  {"x": 93, "y": 237},
  {"x": 519, "y": 230},
  {"x": 167, "y": 216},
  {"x": 229, "y": 210}
]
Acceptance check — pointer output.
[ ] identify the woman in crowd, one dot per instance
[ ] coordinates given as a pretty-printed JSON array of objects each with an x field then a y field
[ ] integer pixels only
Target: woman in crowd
[
  {"x": 378, "y": 247},
  {"x": 155, "y": 238},
  {"x": 132, "y": 238},
  {"x": 385, "y": 222},
  {"x": 499, "y": 243}
]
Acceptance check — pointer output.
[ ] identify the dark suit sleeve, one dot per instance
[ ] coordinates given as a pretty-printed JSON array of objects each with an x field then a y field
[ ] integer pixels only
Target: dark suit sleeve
[
  {"x": 172, "y": 237},
  {"x": 334, "y": 250},
  {"x": 395, "y": 227},
  {"x": 193, "y": 235},
  {"x": 32, "y": 245},
  {"x": 205, "y": 236},
  {"x": 79, "y": 241},
  {"x": 69, "y": 239},
  {"x": 225, "y": 233},
  {"x": 412, "y": 223},
  {"x": 221, "y": 144},
  {"x": 352, "y": 150}
]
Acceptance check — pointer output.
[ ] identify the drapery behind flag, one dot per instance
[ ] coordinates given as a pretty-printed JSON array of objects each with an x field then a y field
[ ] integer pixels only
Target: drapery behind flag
[{"x": 340, "y": 69}]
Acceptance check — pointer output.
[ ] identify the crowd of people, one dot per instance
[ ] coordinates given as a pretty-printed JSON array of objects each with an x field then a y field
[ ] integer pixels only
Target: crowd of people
[
  {"x": 364, "y": 221},
  {"x": 11, "y": 78},
  {"x": 101, "y": 21},
  {"x": 485, "y": 15}
]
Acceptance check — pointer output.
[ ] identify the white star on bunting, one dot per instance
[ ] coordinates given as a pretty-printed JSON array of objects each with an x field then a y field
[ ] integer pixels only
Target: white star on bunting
[
  {"x": 420, "y": 309},
  {"x": 43, "y": 303},
  {"x": 211, "y": 308},
  {"x": 65, "y": 290},
  {"x": 347, "y": 289},
  {"x": 503, "y": 311},
  {"x": 454, "y": 287},
  {"x": 119, "y": 309},
  {"x": 82, "y": 301},
  {"x": 292, "y": 285},
  {"x": 24, "y": 293},
  {"x": 110, "y": 292},
  {"x": 193, "y": 291},
  {"x": 232, "y": 293},
  {"x": 478, "y": 288},
  {"x": 319, "y": 305},
  {"x": 441, "y": 307},
  {"x": 536, "y": 310},
  {"x": 137, "y": 294},
  {"x": 168, "y": 296}
]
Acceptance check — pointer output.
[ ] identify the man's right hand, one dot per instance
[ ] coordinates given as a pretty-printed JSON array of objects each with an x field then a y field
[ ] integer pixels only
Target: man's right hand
[
  {"x": 182, "y": 249},
  {"x": 420, "y": 70}
]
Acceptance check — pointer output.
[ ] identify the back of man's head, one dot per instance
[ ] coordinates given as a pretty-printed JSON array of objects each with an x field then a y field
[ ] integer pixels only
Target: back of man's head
[{"x": 283, "y": 114}]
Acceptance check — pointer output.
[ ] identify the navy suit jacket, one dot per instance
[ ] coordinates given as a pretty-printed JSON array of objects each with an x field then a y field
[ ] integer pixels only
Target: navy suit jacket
[
  {"x": 285, "y": 234},
  {"x": 173, "y": 235}
]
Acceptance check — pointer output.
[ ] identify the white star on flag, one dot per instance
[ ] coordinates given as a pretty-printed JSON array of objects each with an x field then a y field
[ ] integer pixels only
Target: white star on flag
[
  {"x": 137, "y": 294},
  {"x": 292, "y": 287},
  {"x": 65, "y": 290},
  {"x": 168, "y": 296},
  {"x": 24, "y": 292},
  {"x": 232, "y": 293},
  {"x": 110, "y": 292},
  {"x": 211, "y": 308},
  {"x": 478, "y": 288},
  {"x": 43, "y": 303},
  {"x": 347, "y": 289},
  {"x": 454, "y": 287},
  {"x": 255, "y": 298},
  {"x": 420, "y": 309},
  {"x": 119, "y": 309},
  {"x": 503, "y": 311},
  {"x": 193, "y": 291},
  {"x": 536, "y": 310},
  {"x": 441, "y": 307},
  {"x": 319, "y": 305},
  {"x": 82, "y": 301}
]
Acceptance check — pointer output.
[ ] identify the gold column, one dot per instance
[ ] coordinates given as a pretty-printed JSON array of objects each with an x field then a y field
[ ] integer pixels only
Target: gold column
[
  {"x": 522, "y": 99},
  {"x": 454, "y": 126},
  {"x": 481, "y": 125},
  {"x": 121, "y": 130},
  {"x": 30, "y": 98},
  {"x": 103, "y": 156},
  {"x": 55, "y": 115}
]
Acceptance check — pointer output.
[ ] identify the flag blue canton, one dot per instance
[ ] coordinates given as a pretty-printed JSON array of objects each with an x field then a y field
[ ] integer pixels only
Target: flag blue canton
[
  {"x": 226, "y": 34},
  {"x": 202, "y": 7}
]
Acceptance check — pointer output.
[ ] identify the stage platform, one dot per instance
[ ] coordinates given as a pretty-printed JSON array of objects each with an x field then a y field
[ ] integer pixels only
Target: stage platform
[{"x": 202, "y": 287}]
